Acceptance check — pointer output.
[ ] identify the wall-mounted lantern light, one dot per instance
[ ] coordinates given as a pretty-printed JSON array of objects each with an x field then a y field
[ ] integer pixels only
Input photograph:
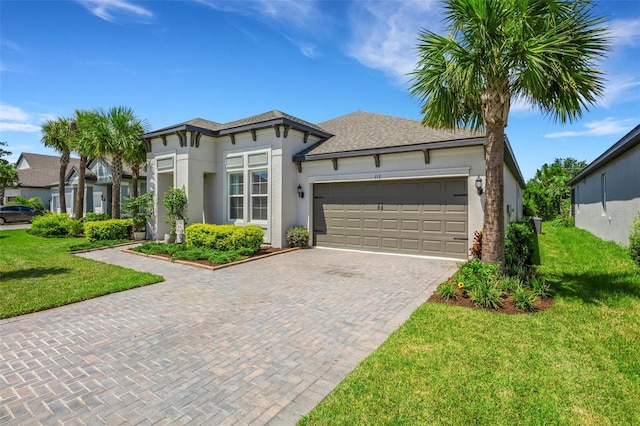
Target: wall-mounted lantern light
[
  {"x": 479, "y": 185},
  {"x": 300, "y": 192},
  {"x": 102, "y": 198}
]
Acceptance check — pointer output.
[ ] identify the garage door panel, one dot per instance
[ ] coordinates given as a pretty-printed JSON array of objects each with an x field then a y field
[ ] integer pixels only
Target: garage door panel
[{"x": 412, "y": 216}]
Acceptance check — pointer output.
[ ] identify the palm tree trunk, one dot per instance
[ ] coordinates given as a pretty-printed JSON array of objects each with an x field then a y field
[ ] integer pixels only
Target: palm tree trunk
[
  {"x": 64, "y": 162},
  {"x": 79, "y": 208},
  {"x": 116, "y": 177},
  {"x": 135, "y": 173},
  {"x": 493, "y": 236}
]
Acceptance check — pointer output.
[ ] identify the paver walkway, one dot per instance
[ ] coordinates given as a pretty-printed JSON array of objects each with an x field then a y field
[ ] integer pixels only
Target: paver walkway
[{"x": 257, "y": 343}]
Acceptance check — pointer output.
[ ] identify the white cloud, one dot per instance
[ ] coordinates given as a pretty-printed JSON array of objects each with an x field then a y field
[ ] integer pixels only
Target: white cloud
[
  {"x": 14, "y": 119},
  {"x": 116, "y": 10},
  {"x": 608, "y": 126},
  {"x": 619, "y": 88},
  {"x": 309, "y": 50},
  {"x": 300, "y": 13},
  {"x": 625, "y": 31},
  {"x": 385, "y": 33}
]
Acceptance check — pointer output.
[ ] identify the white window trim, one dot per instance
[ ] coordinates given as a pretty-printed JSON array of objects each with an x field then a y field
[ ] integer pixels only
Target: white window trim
[{"x": 246, "y": 193}]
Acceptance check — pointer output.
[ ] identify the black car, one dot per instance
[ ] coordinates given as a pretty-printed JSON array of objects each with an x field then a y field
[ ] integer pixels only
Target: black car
[{"x": 10, "y": 214}]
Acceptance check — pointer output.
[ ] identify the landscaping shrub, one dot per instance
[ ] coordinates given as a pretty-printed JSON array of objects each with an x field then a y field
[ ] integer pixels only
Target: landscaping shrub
[
  {"x": 634, "y": 240},
  {"x": 113, "y": 229},
  {"x": 447, "y": 290},
  {"x": 540, "y": 287},
  {"x": 88, "y": 245},
  {"x": 93, "y": 217},
  {"x": 524, "y": 299},
  {"x": 51, "y": 225},
  {"x": 566, "y": 221},
  {"x": 481, "y": 282},
  {"x": 476, "y": 248},
  {"x": 518, "y": 246},
  {"x": 76, "y": 227},
  {"x": 298, "y": 236},
  {"x": 224, "y": 237},
  {"x": 183, "y": 252}
]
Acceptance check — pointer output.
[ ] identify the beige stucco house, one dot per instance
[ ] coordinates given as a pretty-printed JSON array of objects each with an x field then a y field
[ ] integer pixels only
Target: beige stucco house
[
  {"x": 361, "y": 181},
  {"x": 606, "y": 194}
]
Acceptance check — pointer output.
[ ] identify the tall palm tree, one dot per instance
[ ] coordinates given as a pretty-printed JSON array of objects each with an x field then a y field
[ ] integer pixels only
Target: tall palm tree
[
  {"x": 85, "y": 145},
  {"x": 136, "y": 158},
  {"x": 59, "y": 134},
  {"x": 118, "y": 131},
  {"x": 540, "y": 51}
]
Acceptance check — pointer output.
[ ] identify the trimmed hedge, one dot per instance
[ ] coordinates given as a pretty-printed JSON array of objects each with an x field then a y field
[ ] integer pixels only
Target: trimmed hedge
[
  {"x": 55, "y": 225},
  {"x": 518, "y": 246},
  {"x": 298, "y": 236},
  {"x": 114, "y": 229},
  {"x": 224, "y": 237}
]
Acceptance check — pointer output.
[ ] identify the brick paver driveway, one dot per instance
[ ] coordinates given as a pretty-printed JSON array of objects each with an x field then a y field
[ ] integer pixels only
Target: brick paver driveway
[{"x": 257, "y": 343}]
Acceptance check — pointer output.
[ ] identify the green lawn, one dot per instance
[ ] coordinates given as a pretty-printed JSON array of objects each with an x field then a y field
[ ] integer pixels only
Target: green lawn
[
  {"x": 575, "y": 363},
  {"x": 38, "y": 273}
]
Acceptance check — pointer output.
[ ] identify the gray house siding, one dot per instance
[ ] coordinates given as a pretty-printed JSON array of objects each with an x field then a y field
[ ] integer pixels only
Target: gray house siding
[{"x": 607, "y": 197}]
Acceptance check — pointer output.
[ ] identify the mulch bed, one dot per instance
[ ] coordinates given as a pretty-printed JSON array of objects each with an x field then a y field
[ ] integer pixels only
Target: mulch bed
[{"x": 508, "y": 306}]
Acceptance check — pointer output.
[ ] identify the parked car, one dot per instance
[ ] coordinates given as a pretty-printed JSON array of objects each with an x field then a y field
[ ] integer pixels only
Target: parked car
[{"x": 11, "y": 214}]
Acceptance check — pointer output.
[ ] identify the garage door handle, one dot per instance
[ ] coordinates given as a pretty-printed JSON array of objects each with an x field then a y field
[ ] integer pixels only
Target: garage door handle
[
  {"x": 460, "y": 195},
  {"x": 317, "y": 197},
  {"x": 461, "y": 239}
]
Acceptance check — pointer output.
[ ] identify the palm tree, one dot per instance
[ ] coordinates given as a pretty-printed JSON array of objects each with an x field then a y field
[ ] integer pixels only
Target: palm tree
[
  {"x": 85, "y": 145},
  {"x": 136, "y": 158},
  {"x": 59, "y": 134},
  {"x": 539, "y": 51},
  {"x": 118, "y": 131}
]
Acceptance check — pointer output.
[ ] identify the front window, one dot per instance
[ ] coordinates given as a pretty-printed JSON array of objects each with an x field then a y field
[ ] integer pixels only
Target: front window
[
  {"x": 236, "y": 199},
  {"x": 259, "y": 193},
  {"x": 248, "y": 186}
]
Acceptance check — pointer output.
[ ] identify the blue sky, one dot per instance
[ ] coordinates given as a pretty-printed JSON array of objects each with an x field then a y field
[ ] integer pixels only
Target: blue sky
[{"x": 172, "y": 61}]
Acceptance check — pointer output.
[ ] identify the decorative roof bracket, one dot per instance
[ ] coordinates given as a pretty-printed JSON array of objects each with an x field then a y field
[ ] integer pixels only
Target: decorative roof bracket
[
  {"x": 299, "y": 166},
  {"x": 376, "y": 158},
  {"x": 233, "y": 138},
  {"x": 253, "y": 135},
  {"x": 426, "y": 156},
  {"x": 277, "y": 129},
  {"x": 286, "y": 131},
  {"x": 182, "y": 136},
  {"x": 195, "y": 138},
  {"x": 164, "y": 140},
  {"x": 306, "y": 137},
  {"x": 335, "y": 163}
]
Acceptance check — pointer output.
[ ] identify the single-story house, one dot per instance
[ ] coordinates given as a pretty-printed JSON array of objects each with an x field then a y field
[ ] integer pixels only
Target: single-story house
[
  {"x": 38, "y": 176},
  {"x": 605, "y": 196},
  {"x": 361, "y": 181}
]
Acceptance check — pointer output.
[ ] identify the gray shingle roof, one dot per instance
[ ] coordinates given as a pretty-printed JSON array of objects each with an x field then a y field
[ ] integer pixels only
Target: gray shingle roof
[
  {"x": 44, "y": 170},
  {"x": 269, "y": 116},
  {"x": 363, "y": 130}
]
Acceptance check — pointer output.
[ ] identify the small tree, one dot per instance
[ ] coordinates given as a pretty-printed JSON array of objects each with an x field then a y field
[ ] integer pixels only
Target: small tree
[
  {"x": 175, "y": 201},
  {"x": 140, "y": 209}
]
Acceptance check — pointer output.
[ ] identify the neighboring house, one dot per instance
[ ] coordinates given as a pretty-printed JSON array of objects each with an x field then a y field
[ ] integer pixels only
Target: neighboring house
[
  {"x": 38, "y": 177},
  {"x": 361, "y": 181},
  {"x": 605, "y": 196}
]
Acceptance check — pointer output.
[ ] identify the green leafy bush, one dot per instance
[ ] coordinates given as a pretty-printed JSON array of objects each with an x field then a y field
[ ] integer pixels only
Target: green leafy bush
[
  {"x": 486, "y": 295},
  {"x": 447, "y": 290},
  {"x": 175, "y": 201},
  {"x": 518, "y": 246},
  {"x": 566, "y": 221},
  {"x": 524, "y": 299},
  {"x": 298, "y": 236},
  {"x": 183, "y": 252},
  {"x": 540, "y": 287},
  {"x": 93, "y": 217},
  {"x": 113, "y": 229},
  {"x": 76, "y": 227},
  {"x": 52, "y": 225},
  {"x": 481, "y": 282},
  {"x": 224, "y": 237},
  {"x": 634, "y": 240}
]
